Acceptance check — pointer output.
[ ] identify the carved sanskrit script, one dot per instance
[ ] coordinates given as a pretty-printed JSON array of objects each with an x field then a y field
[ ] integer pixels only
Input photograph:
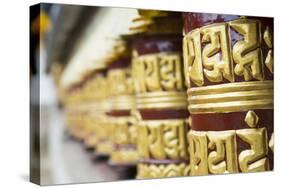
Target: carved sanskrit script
[
  {"x": 216, "y": 152},
  {"x": 162, "y": 171},
  {"x": 158, "y": 72},
  {"x": 267, "y": 37},
  {"x": 162, "y": 139},
  {"x": 209, "y": 54}
]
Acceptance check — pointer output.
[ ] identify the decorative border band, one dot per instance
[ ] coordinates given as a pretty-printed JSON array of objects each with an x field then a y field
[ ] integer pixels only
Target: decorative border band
[
  {"x": 162, "y": 171},
  {"x": 161, "y": 100},
  {"x": 231, "y": 97},
  {"x": 123, "y": 102}
]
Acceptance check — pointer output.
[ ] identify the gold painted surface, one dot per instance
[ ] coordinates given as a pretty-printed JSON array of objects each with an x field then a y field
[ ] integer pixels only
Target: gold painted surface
[
  {"x": 210, "y": 57},
  {"x": 125, "y": 130},
  {"x": 123, "y": 102},
  {"x": 120, "y": 82},
  {"x": 216, "y": 152},
  {"x": 158, "y": 72},
  {"x": 247, "y": 53},
  {"x": 159, "y": 81},
  {"x": 104, "y": 147},
  {"x": 91, "y": 141},
  {"x": 162, "y": 170},
  {"x": 251, "y": 119},
  {"x": 159, "y": 84},
  {"x": 198, "y": 152},
  {"x": 193, "y": 58},
  {"x": 224, "y": 157},
  {"x": 124, "y": 157},
  {"x": 162, "y": 139},
  {"x": 231, "y": 97},
  {"x": 255, "y": 158},
  {"x": 216, "y": 67},
  {"x": 156, "y": 22},
  {"x": 85, "y": 109},
  {"x": 161, "y": 100},
  {"x": 104, "y": 131},
  {"x": 269, "y": 61},
  {"x": 124, "y": 134}
]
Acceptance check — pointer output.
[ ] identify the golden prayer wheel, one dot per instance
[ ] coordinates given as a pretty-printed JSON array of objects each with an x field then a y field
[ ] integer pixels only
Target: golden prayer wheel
[
  {"x": 121, "y": 127},
  {"x": 229, "y": 73},
  {"x": 83, "y": 106},
  {"x": 95, "y": 94},
  {"x": 73, "y": 110},
  {"x": 158, "y": 74},
  {"x": 122, "y": 123},
  {"x": 103, "y": 123}
]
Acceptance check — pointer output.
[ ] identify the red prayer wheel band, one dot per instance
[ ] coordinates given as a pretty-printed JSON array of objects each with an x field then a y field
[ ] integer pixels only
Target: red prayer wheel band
[{"x": 230, "y": 121}]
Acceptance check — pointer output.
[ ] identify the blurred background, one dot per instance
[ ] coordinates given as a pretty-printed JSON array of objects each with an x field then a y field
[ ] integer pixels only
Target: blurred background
[{"x": 64, "y": 41}]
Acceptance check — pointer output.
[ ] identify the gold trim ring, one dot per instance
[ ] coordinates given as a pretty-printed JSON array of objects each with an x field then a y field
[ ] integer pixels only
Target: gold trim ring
[
  {"x": 160, "y": 100},
  {"x": 123, "y": 102},
  {"x": 230, "y": 97}
]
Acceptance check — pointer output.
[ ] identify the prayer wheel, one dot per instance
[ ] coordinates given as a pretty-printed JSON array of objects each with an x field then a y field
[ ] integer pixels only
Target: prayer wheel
[
  {"x": 103, "y": 125},
  {"x": 229, "y": 73},
  {"x": 123, "y": 124},
  {"x": 161, "y": 104}
]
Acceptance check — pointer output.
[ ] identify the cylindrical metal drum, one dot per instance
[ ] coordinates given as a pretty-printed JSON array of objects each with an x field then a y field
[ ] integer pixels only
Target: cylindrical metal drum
[
  {"x": 104, "y": 145},
  {"x": 229, "y": 72},
  {"x": 124, "y": 133},
  {"x": 160, "y": 95}
]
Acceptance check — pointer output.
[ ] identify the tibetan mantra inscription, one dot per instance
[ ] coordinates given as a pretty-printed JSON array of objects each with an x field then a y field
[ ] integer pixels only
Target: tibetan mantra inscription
[
  {"x": 123, "y": 133},
  {"x": 157, "y": 72},
  {"x": 229, "y": 73},
  {"x": 161, "y": 104}
]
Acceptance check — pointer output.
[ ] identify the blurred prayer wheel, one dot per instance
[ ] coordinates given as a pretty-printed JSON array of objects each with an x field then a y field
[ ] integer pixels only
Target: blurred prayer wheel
[
  {"x": 96, "y": 94},
  {"x": 229, "y": 72},
  {"x": 123, "y": 131},
  {"x": 74, "y": 110},
  {"x": 160, "y": 95},
  {"x": 83, "y": 106},
  {"x": 104, "y": 145}
]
